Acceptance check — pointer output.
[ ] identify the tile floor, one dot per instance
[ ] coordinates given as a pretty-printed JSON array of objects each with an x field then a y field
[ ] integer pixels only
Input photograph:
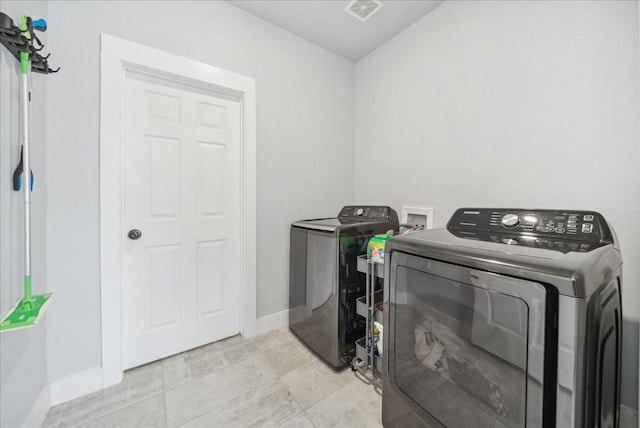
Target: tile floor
[{"x": 268, "y": 381}]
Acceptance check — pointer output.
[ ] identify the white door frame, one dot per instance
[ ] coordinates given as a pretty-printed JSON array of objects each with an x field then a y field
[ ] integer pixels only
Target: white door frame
[{"x": 117, "y": 57}]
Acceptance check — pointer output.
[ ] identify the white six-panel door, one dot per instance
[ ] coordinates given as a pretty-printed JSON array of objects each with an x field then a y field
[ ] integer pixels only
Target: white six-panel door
[{"x": 182, "y": 191}]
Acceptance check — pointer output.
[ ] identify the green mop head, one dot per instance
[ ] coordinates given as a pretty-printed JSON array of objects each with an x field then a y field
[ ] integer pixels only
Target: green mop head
[{"x": 26, "y": 312}]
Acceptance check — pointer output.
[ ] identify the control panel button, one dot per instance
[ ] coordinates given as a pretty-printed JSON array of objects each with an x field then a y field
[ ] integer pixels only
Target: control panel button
[
  {"x": 587, "y": 228},
  {"x": 510, "y": 220},
  {"x": 588, "y": 218}
]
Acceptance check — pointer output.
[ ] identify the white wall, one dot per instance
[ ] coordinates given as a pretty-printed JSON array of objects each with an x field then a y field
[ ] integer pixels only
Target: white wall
[
  {"x": 304, "y": 144},
  {"x": 519, "y": 104},
  {"x": 23, "y": 353}
]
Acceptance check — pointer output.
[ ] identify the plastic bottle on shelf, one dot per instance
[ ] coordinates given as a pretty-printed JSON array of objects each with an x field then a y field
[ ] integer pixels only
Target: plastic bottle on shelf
[{"x": 379, "y": 343}]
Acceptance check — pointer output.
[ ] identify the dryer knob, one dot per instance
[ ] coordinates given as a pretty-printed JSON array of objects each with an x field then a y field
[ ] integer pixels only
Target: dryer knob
[
  {"x": 510, "y": 220},
  {"x": 359, "y": 211}
]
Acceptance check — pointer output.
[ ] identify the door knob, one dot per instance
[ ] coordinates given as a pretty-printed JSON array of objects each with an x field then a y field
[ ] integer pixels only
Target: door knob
[{"x": 134, "y": 234}]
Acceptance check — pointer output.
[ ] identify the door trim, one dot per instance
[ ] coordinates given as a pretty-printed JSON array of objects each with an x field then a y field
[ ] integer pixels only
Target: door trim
[{"x": 119, "y": 56}]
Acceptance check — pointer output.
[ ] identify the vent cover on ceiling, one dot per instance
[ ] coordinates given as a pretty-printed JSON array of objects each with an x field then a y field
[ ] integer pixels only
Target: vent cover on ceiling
[{"x": 363, "y": 9}]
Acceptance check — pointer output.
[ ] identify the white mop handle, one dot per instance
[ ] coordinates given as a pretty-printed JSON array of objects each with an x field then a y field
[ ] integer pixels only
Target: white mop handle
[{"x": 26, "y": 177}]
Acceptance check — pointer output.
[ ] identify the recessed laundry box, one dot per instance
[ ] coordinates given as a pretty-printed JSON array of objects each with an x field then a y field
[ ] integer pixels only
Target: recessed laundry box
[
  {"x": 506, "y": 318},
  {"x": 324, "y": 281}
]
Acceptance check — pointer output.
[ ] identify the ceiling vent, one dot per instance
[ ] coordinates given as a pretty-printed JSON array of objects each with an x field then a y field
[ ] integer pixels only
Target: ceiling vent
[{"x": 363, "y": 9}]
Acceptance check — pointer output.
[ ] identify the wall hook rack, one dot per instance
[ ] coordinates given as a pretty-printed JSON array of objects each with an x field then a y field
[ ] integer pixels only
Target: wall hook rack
[{"x": 17, "y": 39}]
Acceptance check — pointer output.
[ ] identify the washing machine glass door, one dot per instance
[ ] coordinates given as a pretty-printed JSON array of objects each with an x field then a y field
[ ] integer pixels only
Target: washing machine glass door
[{"x": 461, "y": 348}]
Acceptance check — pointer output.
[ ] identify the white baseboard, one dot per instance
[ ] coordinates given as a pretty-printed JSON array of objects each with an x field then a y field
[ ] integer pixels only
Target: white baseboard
[
  {"x": 628, "y": 417},
  {"x": 76, "y": 385},
  {"x": 272, "y": 322},
  {"x": 40, "y": 409}
]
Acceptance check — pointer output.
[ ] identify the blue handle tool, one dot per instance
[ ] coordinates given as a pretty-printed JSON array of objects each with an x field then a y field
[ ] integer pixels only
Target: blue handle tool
[{"x": 17, "y": 176}]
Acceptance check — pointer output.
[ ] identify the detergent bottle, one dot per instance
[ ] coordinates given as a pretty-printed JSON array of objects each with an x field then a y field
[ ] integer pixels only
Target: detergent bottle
[{"x": 376, "y": 246}]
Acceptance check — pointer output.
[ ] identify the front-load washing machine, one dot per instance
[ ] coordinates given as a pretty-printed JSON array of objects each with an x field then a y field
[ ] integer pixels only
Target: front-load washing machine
[
  {"x": 506, "y": 318},
  {"x": 324, "y": 282}
]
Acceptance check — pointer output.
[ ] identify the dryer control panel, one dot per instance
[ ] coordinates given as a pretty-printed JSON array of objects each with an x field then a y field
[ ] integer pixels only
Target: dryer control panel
[{"x": 562, "y": 230}]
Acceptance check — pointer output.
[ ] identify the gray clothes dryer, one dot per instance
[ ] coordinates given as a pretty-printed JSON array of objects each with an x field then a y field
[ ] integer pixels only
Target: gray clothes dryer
[
  {"x": 506, "y": 318},
  {"x": 324, "y": 282}
]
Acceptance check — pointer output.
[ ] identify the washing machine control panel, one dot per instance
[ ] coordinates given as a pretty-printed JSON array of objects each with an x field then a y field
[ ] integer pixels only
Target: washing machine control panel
[
  {"x": 366, "y": 212},
  {"x": 553, "y": 229}
]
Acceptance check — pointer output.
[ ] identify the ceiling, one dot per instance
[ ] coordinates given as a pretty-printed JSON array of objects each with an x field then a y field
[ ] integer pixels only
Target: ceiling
[{"x": 325, "y": 23}]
